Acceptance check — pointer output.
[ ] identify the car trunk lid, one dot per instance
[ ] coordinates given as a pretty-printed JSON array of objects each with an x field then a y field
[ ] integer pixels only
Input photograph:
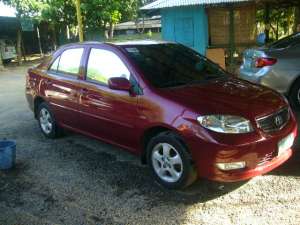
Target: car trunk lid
[{"x": 250, "y": 57}]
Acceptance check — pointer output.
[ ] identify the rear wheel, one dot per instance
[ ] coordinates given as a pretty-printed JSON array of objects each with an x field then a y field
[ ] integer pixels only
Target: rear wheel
[
  {"x": 47, "y": 122},
  {"x": 170, "y": 161},
  {"x": 294, "y": 96}
]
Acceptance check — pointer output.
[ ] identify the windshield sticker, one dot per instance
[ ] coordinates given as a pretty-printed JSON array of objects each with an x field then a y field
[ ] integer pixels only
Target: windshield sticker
[{"x": 132, "y": 50}]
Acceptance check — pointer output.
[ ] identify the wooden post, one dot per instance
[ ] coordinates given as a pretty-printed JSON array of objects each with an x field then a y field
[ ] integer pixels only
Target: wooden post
[
  {"x": 79, "y": 20},
  {"x": 231, "y": 37},
  {"x": 267, "y": 22}
]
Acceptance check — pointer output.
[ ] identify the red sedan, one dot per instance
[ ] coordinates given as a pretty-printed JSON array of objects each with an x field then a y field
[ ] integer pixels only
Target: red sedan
[{"x": 182, "y": 114}]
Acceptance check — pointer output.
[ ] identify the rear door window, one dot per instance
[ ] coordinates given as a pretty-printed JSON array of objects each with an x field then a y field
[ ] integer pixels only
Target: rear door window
[{"x": 70, "y": 61}]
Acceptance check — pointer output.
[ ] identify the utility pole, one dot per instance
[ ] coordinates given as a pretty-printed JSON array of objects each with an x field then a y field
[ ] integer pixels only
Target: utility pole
[{"x": 79, "y": 20}]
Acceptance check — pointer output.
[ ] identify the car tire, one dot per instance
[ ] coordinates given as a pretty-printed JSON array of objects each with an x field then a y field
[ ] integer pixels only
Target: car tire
[
  {"x": 7, "y": 61},
  {"x": 170, "y": 162},
  {"x": 47, "y": 122},
  {"x": 294, "y": 96}
]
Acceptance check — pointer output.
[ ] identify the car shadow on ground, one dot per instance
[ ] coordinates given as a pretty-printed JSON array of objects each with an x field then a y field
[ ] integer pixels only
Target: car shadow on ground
[{"x": 123, "y": 175}]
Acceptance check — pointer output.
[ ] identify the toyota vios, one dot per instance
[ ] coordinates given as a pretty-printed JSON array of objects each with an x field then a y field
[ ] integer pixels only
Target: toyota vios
[{"x": 182, "y": 114}]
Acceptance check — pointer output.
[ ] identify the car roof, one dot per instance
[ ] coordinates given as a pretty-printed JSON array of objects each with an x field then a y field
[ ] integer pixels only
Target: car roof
[
  {"x": 114, "y": 44},
  {"x": 140, "y": 42},
  {"x": 123, "y": 43}
]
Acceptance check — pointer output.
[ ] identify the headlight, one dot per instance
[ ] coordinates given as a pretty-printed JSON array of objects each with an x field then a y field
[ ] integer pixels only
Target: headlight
[{"x": 226, "y": 124}]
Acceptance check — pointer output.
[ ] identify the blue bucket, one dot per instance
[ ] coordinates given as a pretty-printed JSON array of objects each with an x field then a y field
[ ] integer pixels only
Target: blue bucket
[{"x": 7, "y": 154}]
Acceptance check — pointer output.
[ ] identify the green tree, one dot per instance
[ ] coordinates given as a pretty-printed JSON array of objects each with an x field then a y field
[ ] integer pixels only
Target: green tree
[
  {"x": 106, "y": 13},
  {"x": 24, "y": 8},
  {"x": 58, "y": 14}
]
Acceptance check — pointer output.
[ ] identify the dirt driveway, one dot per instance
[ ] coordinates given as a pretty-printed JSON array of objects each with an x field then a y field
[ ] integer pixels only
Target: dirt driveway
[{"x": 77, "y": 180}]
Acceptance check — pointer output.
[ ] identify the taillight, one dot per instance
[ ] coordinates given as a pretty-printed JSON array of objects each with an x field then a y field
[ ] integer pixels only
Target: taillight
[{"x": 262, "y": 62}]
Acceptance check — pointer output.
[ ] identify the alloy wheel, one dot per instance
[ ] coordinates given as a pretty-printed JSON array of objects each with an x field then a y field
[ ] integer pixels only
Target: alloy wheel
[
  {"x": 167, "y": 162},
  {"x": 46, "y": 121}
]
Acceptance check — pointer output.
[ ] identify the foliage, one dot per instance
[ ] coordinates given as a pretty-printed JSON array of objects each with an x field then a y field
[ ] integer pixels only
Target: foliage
[
  {"x": 60, "y": 15},
  {"x": 97, "y": 13},
  {"x": 60, "y": 12},
  {"x": 281, "y": 22},
  {"x": 26, "y": 8}
]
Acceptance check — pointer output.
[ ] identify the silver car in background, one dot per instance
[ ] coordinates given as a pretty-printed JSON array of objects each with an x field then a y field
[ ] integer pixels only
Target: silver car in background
[{"x": 276, "y": 66}]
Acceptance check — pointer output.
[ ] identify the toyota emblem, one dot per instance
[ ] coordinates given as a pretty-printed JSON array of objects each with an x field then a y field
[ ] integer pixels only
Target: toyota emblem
[{"x": 278, "y": 121}]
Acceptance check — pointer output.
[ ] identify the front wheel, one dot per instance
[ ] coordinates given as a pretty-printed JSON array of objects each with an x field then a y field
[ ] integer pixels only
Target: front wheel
[
  {"x": 170, "y": 161},
  {"x": 294, "y": 96}
]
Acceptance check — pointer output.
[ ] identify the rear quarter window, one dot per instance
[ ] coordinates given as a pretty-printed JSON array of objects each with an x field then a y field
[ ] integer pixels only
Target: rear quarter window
[{"x": 287, "y": 42}]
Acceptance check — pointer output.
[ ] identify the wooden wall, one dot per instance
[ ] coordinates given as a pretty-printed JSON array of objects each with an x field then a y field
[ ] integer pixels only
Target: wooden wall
[{"x": 244, "y": 25}]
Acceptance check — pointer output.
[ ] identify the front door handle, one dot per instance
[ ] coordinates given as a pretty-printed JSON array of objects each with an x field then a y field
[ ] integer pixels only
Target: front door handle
[{"x": 84, "y": 91}]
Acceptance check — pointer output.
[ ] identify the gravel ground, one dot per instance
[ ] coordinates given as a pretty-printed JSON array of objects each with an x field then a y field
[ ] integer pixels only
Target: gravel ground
[{"x": 78, "y": 180}]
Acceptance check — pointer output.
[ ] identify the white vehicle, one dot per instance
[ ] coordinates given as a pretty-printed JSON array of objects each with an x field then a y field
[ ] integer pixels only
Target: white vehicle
[{"x": 7, "y": 50}]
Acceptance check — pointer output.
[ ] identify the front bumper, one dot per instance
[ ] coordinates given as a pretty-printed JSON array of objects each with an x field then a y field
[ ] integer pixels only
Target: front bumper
[
  {"x": 258, "y": 150},
  {"x": 232, "y": 176}
]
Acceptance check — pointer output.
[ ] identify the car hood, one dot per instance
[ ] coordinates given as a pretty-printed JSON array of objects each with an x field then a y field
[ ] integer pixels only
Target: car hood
[{"x": 230, "y": 96}]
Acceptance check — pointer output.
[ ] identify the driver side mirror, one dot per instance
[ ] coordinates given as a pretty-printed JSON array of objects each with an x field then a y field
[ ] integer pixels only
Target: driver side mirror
[{"x": 119, "y": 83}]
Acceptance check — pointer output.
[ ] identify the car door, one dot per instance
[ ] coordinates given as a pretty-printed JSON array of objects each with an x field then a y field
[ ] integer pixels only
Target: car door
[
  {"x": 105, "y": 113},
  {"x": 62, "y": 86}
]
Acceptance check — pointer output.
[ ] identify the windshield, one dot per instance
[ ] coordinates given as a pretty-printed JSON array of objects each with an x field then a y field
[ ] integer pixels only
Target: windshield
[
  {"x": 286, "y": 42},
  {"x": 171, "y": 65}
]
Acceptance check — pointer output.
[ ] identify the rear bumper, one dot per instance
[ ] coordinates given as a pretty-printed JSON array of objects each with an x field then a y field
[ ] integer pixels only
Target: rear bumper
[{"x": 269, "y": 77}]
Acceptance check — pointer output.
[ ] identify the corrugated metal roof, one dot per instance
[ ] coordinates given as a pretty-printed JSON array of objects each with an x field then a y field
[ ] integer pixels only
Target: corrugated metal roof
[
  {"x": 133, "y": 25},
  {"x": 159, "y": 4}
]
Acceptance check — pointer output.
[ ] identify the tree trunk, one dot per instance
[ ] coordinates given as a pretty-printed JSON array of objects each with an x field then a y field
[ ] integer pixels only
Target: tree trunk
[
  {"x": 23, "y": 50},
  {"x": 79, "y": 20},
  {"x": 277, "y": 29},
  {"x": 39, "y": 40},
  {"x": 111, "y": 30},
  {"x": 54, "y": 39},
  {"x": 267, "y": 22},
  {"x": 1, "y": 62},
  {"x": 19, "y": 45},
  {"x": 296, "y": 27},
  {"x": 106, "y": 35}
]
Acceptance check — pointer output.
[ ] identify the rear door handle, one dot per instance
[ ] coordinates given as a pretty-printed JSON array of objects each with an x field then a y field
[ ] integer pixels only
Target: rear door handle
[{"x": 48, "y": 82}]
